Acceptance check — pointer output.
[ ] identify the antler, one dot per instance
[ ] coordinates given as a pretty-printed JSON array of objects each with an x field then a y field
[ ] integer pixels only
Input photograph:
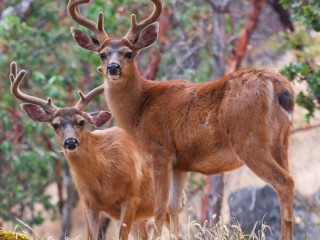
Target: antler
[
  {"x": 98, "y": 29},
  {"x": 135, "y": 27},
  {"x": 86, "y": 99},
  {"x": 15, "y": 82}
]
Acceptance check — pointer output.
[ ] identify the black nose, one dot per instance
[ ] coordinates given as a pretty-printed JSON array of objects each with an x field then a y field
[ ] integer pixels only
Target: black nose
[
  {"x": 70, "y": 143},
  {"x": 113, "y": 69}
]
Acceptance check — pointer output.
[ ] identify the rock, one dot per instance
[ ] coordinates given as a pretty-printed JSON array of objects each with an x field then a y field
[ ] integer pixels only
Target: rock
[{"x": 251, "y": 206}]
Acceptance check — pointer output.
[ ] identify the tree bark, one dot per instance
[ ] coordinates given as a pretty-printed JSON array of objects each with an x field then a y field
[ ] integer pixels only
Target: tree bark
[
  {"x": 1, "y": 6},
  {"x": 68, "y": 206},
  {"x": 284, "y": 14}
]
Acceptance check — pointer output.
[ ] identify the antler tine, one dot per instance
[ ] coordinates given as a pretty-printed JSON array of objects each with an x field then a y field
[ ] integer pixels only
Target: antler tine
[
  {"x": 86, "y": 99},
  {"x": 135, "y": 27},
  {"x": 15, "y": 82},
  {"x": 98, "y": 29}
]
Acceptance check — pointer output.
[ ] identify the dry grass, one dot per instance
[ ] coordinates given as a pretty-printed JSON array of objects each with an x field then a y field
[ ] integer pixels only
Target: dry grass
[
  {"x": 220, "y": 231},
  {"x": 195, "y": 231}
]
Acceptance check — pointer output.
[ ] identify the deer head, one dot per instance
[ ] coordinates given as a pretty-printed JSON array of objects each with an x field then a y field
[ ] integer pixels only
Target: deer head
[
  {"x": 69, "y": 122},
  {"x": 117, "y": 56}
]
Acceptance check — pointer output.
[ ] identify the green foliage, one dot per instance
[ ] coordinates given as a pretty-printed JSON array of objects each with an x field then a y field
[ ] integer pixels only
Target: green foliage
[
  {"x": 310, "y": 98},
  {"x": 307, "y": 12},
  {"x": 306, "y": 49}
]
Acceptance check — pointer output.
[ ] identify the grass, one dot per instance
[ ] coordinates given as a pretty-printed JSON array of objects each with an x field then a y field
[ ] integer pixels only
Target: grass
[
  {"x": 220, "y": 231},
  {"x": 195, "y": 231}
]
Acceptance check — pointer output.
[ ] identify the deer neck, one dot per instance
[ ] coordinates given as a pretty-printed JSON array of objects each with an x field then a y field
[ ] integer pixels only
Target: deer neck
[{"x": 125, "y": 99}]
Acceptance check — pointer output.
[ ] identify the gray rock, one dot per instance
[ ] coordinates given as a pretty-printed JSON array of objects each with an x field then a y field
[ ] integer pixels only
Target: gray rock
[{"x": 254, "y": 206}]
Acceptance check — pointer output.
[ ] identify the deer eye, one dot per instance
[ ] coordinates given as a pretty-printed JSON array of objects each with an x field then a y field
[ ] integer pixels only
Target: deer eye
[
  {"x": 103, "y": 55},
  {"x": 55, "y": 126},
  {"x": 128, "y": 55},
  {"x": 81, "y": 123}
]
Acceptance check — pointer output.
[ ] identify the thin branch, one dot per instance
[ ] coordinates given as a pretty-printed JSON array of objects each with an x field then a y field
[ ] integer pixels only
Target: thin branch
[
  {"x": 246, "y": 34},
  {"x": 304, "y": 128}
]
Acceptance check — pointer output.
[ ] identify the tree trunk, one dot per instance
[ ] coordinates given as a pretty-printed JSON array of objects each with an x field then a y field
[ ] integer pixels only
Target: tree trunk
[{"x": 68, "y": 206}]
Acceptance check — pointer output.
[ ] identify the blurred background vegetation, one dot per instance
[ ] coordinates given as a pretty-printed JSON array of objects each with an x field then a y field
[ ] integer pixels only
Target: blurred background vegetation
[{"x": 36, "y": 35}]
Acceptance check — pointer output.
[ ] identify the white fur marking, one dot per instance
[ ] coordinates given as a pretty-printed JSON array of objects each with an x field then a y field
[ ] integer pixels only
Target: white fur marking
[
  {"x": 271, "y": 94},
  {"x": 138, "y": 165}
]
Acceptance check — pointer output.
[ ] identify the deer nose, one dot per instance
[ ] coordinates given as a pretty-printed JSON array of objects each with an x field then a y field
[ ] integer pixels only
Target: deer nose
[
  {"x": 113, "y": 69},
  {"x": 70, "y": 143}
]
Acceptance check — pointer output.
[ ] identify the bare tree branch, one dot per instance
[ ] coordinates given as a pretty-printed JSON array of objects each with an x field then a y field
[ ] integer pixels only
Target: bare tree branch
[
  {"x": 245, "y": 34},
  {"x": 304, "y": 128}
]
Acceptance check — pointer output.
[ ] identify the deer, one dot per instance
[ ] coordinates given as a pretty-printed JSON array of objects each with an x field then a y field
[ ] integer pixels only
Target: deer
[
  {"x": 243, "y": 118},
  {"x": 109, "y": 172}
]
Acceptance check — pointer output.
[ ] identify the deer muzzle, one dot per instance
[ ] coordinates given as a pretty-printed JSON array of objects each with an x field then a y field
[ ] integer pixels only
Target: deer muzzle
[
  {"x": 114, "y": 69},
  {"x": 70, "y": 144}
]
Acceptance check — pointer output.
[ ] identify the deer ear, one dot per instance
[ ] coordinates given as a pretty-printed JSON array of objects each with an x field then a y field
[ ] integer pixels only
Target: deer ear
[
  {"x": 84, "y": 40},
  {"x": 99, "y": 118},
  {"x": 147, "y": 36},
  {"x": 36, "y": 113}
]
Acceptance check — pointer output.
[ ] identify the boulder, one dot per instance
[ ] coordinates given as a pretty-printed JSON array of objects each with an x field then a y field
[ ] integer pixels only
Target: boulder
[{"x": 252, "y": 207}]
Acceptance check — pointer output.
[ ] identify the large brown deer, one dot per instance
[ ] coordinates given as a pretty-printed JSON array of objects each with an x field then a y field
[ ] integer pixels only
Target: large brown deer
[
  {"x": 109, "y": 172},
  {"x": 244, "y": 118}
]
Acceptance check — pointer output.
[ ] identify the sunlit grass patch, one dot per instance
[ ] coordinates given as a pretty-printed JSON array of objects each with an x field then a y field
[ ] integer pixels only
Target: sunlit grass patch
[{"x": 13, "y": 236}]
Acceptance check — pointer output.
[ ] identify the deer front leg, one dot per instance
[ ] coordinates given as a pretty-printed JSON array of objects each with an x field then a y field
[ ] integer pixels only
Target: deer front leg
[
  {"x": 127, "y": 215},
  {"x": 162, "y": 180},
  {"x": 92, "y": 222},
  {"x": 176, "y": 201}
]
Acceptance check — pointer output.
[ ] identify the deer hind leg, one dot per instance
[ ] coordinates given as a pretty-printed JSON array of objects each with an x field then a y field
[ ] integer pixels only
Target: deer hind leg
[
  {"x": 176, "y": 200},
  {"x": 261, "y": 162},
  {"x": 279, "y": 150},
  {"x": 128, "y": 212}
]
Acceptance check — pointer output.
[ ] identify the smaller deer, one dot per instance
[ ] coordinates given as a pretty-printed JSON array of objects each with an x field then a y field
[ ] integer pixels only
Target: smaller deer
[{"x": 109, "y": 173}]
